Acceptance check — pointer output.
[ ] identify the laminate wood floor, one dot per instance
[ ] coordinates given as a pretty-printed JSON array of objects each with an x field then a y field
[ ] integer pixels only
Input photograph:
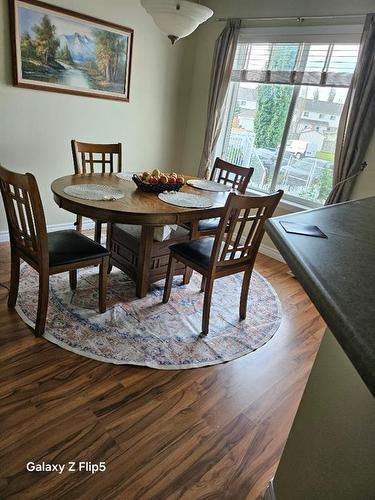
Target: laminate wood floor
[{"x": 207, "y": 433}]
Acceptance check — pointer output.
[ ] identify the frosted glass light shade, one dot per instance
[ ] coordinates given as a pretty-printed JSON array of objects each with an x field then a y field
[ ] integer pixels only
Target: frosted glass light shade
[{"x": 176, "y": 18}]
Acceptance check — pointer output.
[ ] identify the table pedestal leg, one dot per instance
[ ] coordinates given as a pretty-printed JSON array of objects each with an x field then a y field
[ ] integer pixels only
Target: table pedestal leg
[{"x": 144, "y": 257}]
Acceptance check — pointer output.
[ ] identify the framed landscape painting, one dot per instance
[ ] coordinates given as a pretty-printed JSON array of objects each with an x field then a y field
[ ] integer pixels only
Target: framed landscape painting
[{"x": 59, "y": 50}]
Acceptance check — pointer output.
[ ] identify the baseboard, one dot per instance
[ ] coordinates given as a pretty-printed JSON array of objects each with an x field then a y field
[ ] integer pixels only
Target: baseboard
[
  {"x": 271, "y": 252},
  {"x": 89, "y": 224}
]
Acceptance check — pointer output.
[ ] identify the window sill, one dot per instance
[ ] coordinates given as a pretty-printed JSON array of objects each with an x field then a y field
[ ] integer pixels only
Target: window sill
[
  {"x": 292, "y": 206},
  {"x": 287, "y": 205}
]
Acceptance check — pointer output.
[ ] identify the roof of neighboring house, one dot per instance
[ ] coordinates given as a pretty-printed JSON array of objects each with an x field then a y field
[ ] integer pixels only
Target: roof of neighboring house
[
  {"x": 331, "y": 131},
  {"x": 329, "y": 108},
  {"x": 247, "y": 113},
  {"x": 325, "y": 132},
  {"x": 314, "y": 122},
  {"x": 238, "y": 131},
  {"x": 311, "y": 131},
  {"x": 247, "y": 94}
]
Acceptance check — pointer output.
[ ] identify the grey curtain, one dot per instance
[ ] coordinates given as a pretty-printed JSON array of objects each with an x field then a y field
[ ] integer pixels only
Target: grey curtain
[
  {"x": 357, "y": 120},
  {"x": 225, "y": 50}
]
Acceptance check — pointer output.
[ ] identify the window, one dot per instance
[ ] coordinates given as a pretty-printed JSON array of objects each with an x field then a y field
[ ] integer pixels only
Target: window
[{"x": 284, "y": 132}]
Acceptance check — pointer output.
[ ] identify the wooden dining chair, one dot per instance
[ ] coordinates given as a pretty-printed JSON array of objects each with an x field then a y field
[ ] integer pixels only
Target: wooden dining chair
[
  {"x": 231, "y": 251},
  {"x": 86, "y": 157},
  {"x": 48, "y": 253},
  {"x": 225, "y": 173}
]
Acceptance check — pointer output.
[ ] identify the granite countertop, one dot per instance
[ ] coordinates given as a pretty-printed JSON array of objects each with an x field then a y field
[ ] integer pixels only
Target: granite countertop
[{"x": 338, "y": 273}]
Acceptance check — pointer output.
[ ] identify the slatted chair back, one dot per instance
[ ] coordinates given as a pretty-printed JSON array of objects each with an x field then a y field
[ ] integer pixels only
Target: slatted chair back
[
  {"x": 241, "y": 229},
  {"x": 230, "y": 174},
  {"x": 25, "y": 215},
  {"x": 86, "y": 157}
]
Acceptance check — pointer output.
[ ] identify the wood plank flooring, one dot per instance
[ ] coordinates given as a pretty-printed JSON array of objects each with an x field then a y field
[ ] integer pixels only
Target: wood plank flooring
[{"x": 208, "y": 433}]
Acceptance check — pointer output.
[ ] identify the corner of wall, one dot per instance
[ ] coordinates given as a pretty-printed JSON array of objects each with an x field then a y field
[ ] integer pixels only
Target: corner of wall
[{"x": 365, "y": 184}]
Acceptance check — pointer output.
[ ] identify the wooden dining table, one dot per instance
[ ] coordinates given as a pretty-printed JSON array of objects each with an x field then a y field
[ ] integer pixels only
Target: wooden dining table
[{"x": 135, "y": 207}]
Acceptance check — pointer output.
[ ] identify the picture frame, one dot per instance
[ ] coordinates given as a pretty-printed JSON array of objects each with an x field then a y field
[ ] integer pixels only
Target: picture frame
[{"x": 59, "y": 50}]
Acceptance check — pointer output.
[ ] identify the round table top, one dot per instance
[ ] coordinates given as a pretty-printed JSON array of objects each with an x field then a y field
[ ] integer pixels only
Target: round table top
[{"x": 136, "y": 207}]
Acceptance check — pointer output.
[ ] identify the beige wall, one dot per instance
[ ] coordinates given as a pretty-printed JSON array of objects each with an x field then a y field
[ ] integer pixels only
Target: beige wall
[
  {"x": 36, "y": 126},
  {"x": 162, "y": 126},
  {"x": 365, "y": 184},
  {"x": 330, "y": 450}
]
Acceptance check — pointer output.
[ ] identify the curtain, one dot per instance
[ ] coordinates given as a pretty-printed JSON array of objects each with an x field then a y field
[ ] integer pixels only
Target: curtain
[
  {"x": 225, "y": 50},
  {"x": 357, "y": 120}
]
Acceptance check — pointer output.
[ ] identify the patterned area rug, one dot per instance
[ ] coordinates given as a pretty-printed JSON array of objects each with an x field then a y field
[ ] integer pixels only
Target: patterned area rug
[{"x": 145, "y": 331}]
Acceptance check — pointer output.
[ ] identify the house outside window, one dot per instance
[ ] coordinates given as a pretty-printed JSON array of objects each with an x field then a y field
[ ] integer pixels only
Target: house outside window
[{"x": 294, "y": 94}]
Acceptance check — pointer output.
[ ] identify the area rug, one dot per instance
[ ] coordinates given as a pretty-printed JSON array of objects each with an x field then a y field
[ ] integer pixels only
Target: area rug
[{"x": 146, "y": 332}]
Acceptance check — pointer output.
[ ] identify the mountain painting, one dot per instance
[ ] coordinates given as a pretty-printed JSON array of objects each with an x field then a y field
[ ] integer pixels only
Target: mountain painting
[{"x": 63, "y": 51}]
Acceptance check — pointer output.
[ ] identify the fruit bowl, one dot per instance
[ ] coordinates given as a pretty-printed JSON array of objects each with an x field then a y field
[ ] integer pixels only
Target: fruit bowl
[{"x": 147, "y": 187}]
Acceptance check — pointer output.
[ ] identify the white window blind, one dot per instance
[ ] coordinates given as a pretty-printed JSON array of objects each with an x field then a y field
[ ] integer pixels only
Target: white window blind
[{"x": 323, "y": 64}]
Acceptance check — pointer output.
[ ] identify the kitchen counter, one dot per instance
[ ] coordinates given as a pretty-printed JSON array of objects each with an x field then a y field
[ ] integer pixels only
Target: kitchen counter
[{"x": 338, "y": 273}]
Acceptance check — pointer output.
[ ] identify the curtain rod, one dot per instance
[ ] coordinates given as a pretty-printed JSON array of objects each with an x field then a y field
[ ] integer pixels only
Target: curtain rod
[{"x": 299, "y": 19}]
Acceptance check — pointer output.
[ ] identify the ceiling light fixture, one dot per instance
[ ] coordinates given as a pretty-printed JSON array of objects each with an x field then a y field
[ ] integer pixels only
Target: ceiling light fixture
[{"x": 176, "y": 18}]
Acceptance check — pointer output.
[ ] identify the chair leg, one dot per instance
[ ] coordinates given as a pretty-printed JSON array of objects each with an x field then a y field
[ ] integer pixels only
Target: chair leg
[
  {"x": 78, "y": 223},
  {"x": 103, "y": 281},
  {"x": 207, "y": 305},
  {"x": 194, "y": 231},
  {"x": 203, "y": 283},
  {"x": 73, "y": 279},
  {"x": 98, "y": 232},
  {"x": 245, "y": 293},
  {"x": 187, "y": 275},
  {"x": 108, "y": 236},
  {"x": 108, "y": 244},
  {"x": 14, "y": 279},
  {"x": 42, "y": 303},
  {"x": 169, "y": 279},
  {"x": 194, "y": 235}
]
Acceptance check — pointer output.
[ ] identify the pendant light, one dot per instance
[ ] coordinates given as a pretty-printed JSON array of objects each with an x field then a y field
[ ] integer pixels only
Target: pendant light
[{"x": 176, "y": 18}]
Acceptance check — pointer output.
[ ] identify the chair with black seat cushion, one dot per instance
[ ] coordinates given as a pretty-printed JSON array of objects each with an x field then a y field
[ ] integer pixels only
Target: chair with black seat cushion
[
  {"x": 232, "y": 250},
  {"x": 48, "y": 253},
  {"x": 85, "y": 158},
  {"x": 224, "y": 173}
]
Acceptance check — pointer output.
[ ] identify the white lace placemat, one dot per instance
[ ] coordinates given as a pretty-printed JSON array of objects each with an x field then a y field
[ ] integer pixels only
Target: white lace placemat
[
  {"x": 96, "y": 192},
  {"x": 186, "y": 200},
  {"x": 126, "y": 176},
  {"x": 208, "y": 185}
]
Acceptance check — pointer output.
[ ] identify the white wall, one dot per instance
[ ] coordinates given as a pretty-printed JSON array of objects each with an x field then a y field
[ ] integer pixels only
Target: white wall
[{"x": 36, "y": 126}]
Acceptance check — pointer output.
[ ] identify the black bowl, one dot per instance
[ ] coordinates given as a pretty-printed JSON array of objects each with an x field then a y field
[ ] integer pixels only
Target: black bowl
[{"x": 155, "y": 188}]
